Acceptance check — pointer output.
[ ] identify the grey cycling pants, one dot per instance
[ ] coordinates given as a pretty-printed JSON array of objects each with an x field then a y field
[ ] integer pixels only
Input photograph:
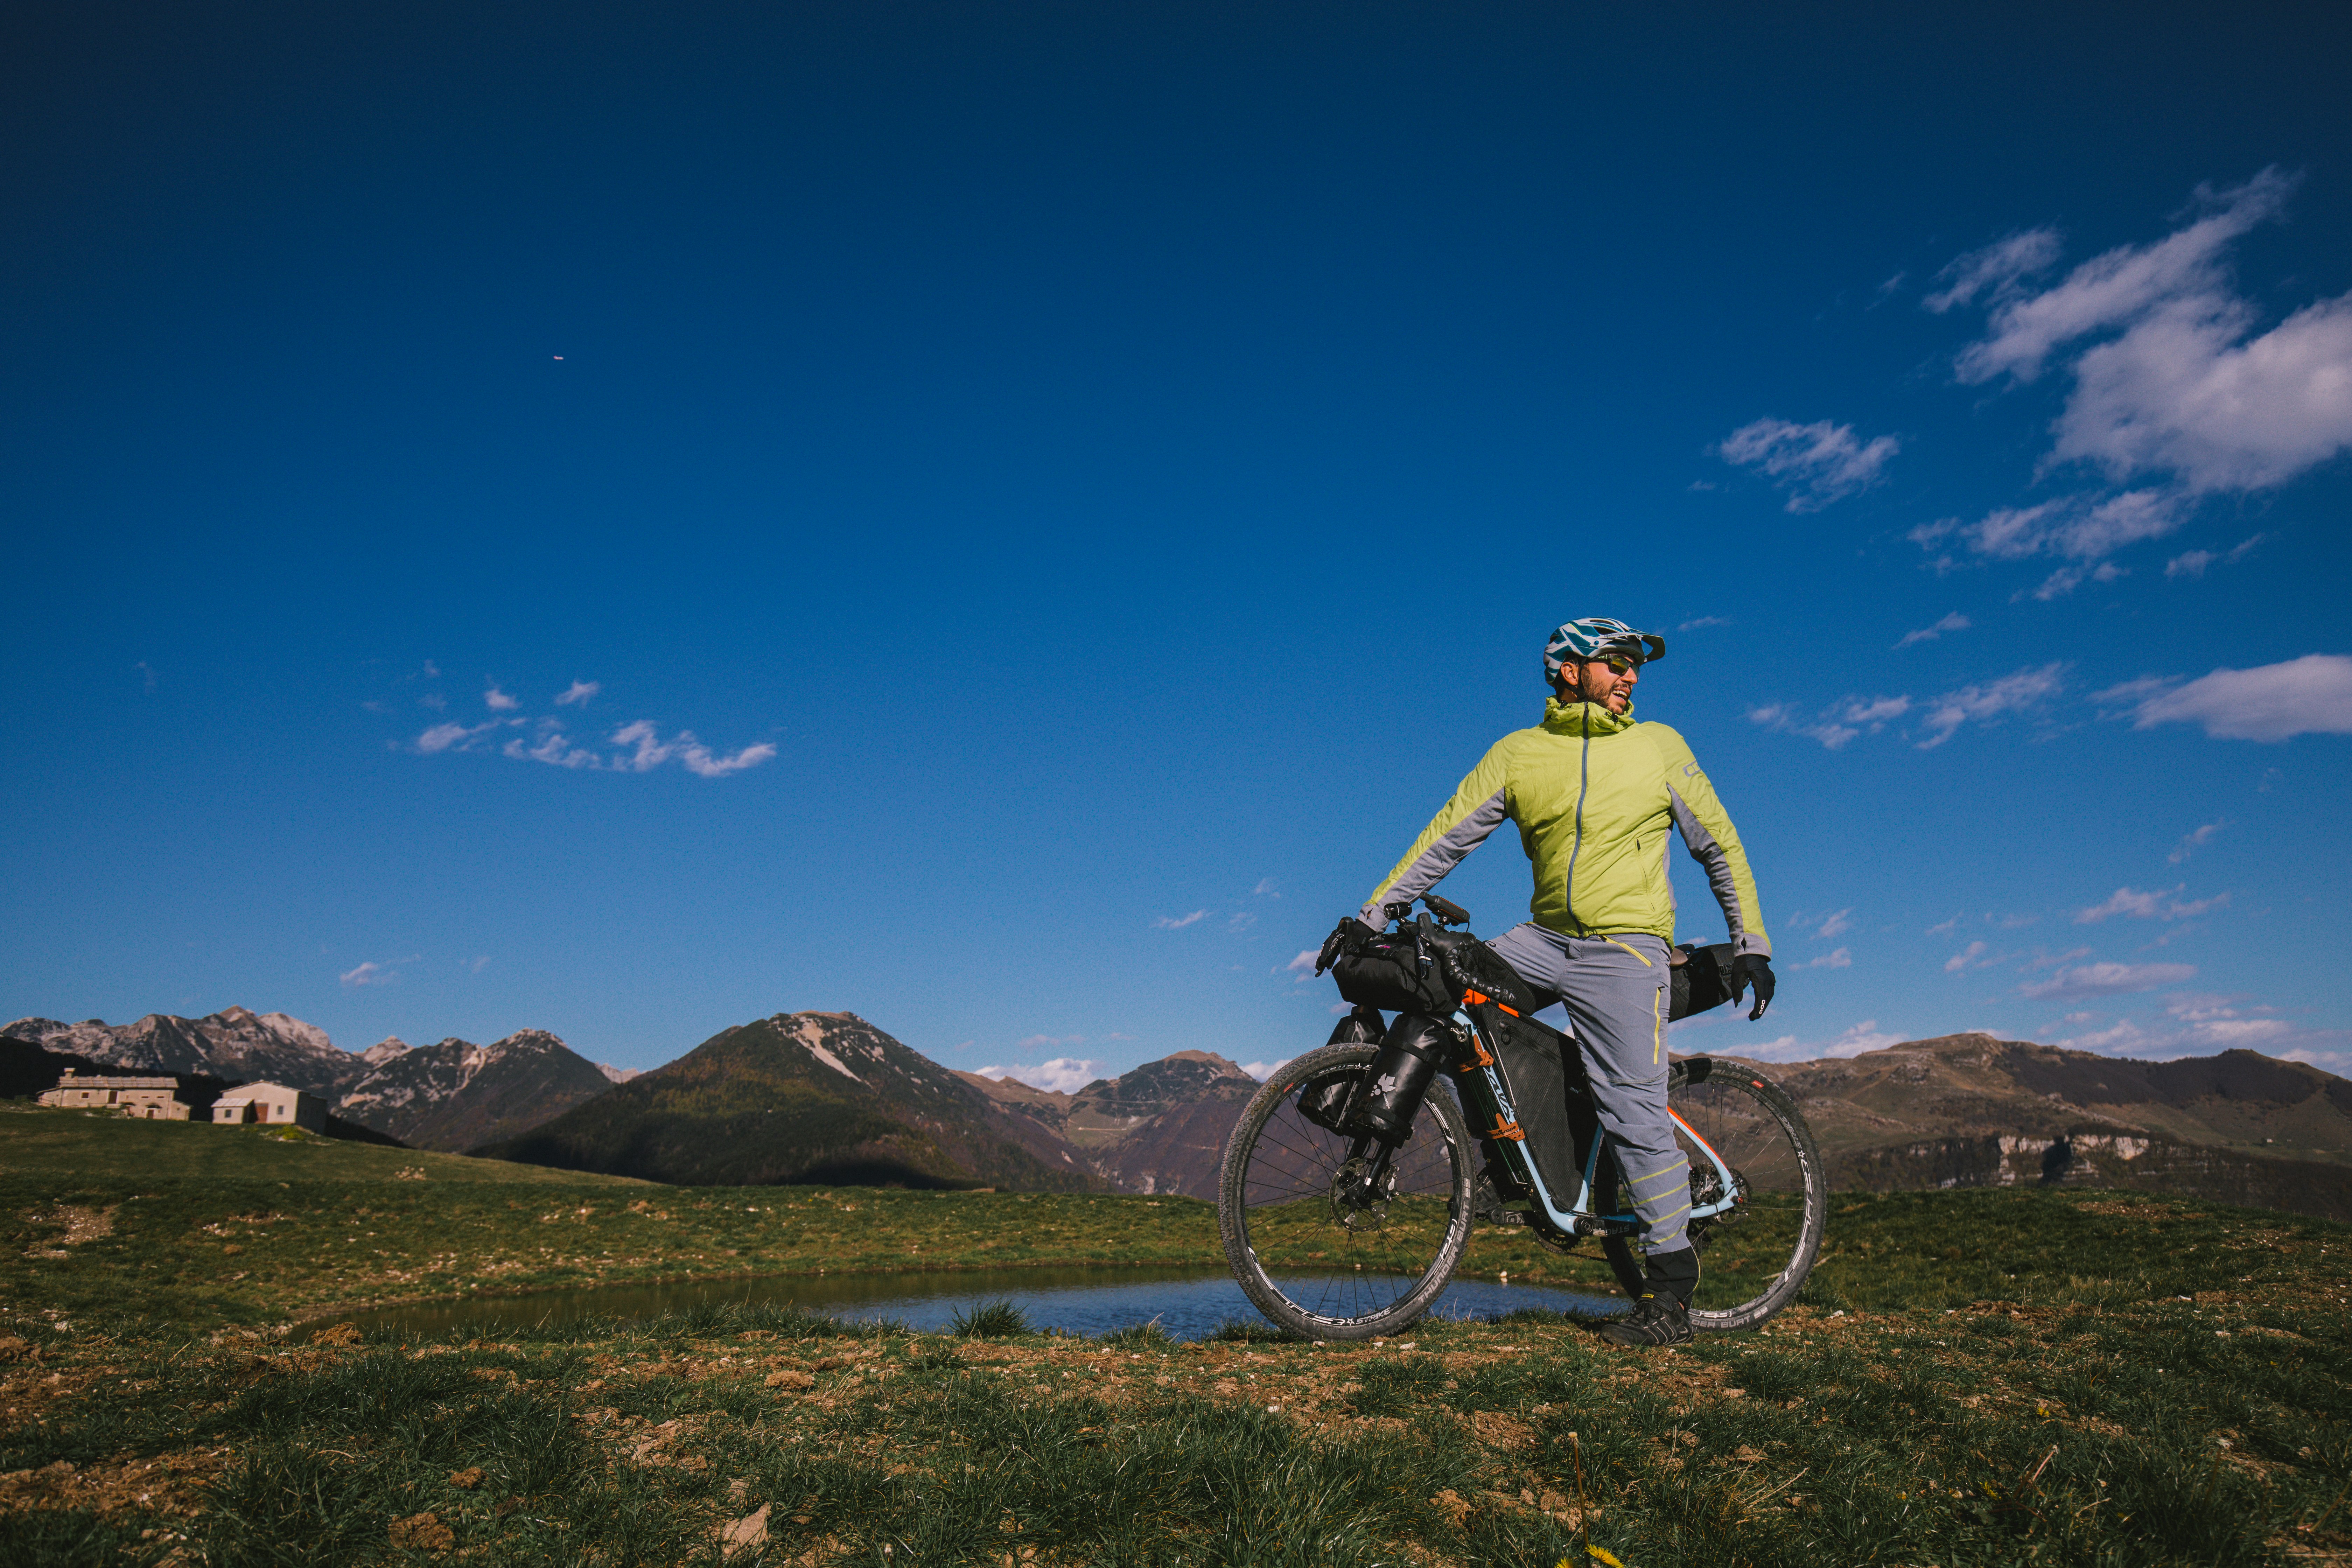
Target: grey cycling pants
[{"x": 1614, "y": 989}]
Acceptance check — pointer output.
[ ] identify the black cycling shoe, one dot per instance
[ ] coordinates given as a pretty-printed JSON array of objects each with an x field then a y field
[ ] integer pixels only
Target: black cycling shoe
[{"x": 1656, "y": 1319}]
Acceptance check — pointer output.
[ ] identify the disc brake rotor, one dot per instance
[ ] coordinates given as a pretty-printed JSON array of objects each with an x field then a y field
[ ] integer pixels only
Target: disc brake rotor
[{"x": 1352, "y": 1207}]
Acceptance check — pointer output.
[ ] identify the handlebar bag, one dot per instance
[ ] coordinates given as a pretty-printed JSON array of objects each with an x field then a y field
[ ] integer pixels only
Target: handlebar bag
[{"x": 1392, "y": 970}]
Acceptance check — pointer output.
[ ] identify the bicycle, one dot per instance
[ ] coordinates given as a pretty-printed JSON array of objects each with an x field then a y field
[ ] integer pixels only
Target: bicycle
[{"x": 1347, "y": 1195}]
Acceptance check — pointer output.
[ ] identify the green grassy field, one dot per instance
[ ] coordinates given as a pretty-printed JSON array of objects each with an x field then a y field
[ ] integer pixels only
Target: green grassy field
[{"x": 1973, "y": 1377}]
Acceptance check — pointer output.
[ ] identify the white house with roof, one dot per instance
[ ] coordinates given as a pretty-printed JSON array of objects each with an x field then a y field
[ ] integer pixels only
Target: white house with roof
[{"x": 271, "y": 1102}]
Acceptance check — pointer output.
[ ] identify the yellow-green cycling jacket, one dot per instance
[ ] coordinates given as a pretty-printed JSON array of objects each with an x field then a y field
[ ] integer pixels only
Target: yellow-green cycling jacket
[{"x": 1593, "y": 793}]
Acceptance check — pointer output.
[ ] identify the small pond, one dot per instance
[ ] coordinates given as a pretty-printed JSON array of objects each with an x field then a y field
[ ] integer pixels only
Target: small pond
[{"x": 1188, "y": 1303}]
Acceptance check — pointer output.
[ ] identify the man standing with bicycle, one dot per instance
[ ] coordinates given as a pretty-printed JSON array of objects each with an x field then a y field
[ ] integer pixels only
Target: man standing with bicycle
[{"x": 1593, "y": 792}]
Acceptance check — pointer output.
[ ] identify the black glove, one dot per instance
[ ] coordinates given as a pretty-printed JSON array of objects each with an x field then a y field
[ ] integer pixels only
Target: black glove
[
  {"x": 1345, "y": 937},
  {"x": 1752, "y": 966}
]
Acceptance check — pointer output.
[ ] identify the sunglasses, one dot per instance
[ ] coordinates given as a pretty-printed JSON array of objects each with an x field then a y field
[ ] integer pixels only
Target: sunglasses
[{"x": 1618, "y": 663}]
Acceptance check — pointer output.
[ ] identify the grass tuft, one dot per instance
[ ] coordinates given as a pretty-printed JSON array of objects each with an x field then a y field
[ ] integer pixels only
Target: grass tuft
[
  {"x": 990, "y": 1321},
  {"x": 1147, "y": 1336}
]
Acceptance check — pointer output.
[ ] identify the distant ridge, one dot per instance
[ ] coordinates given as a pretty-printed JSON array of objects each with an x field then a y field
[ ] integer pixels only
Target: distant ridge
[
  {"x": 805, "y": 1097},
  {"x": 234, "y": 1044},
  {"x": 455, "y": 1095},
  {"x": 1160, "y": 1128},
  {"x": 1976, "y": 1110}
]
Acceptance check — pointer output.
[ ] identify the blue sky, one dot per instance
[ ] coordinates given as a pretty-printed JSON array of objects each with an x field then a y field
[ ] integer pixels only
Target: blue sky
[{"x": 1008, "y": 519}]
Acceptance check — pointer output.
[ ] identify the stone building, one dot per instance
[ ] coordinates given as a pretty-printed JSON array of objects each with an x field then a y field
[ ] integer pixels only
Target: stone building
[
  {"x": 147, "y": 1099},
  {"x": 271, "y": 1102}
]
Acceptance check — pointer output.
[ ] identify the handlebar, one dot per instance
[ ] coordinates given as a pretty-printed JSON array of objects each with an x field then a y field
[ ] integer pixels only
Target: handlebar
[{"x": 1447, "y": 911}]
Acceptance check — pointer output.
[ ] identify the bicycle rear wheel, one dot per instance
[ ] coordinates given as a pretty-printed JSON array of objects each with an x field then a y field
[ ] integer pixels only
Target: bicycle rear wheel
[
  {"x": 1321, "y": 1268},
  {"x": 1753, "y": 1257}
]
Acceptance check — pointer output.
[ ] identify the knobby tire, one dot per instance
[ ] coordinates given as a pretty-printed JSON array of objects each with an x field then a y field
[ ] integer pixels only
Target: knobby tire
[
  {"x": 1763, "y": 1135},
  {"x": 1267, "y": 1194}
]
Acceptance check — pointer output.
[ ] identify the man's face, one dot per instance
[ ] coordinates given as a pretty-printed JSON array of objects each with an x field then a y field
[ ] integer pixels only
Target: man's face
[{"x": 1612, "y": 688}]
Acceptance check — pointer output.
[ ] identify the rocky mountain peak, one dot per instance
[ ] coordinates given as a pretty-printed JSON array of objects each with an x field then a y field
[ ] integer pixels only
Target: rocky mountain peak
[
  {"x": 383, "y": 1050},
  {"x": 457, "y": 1094},
  {"x": 234, "y": 1044}
]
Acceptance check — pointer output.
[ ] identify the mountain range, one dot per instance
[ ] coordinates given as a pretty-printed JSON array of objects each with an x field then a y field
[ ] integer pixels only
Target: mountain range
[
  {"x": 448, "y": 1097},
  {"x": 828, "y": 1096},
  {"x": 1159, "y": 1128},
  {"x": 806, "y": 1096},
  {"x": 1973, "y": 1111},
  {"x": 456, "y": 1095},
  {"x": 232, "y": 1044}
]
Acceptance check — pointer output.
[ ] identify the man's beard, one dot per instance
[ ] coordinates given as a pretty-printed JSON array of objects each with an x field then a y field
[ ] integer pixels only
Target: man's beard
[{"x": 1620, "y": 697}]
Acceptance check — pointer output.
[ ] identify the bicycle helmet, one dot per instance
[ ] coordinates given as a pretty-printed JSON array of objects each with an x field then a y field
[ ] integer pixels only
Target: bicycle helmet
[{"x": 1597, "y": 637}]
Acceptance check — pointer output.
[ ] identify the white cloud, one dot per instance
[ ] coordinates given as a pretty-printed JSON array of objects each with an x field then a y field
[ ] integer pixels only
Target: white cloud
[
  {"x": 453, "y": 737},
  {"x": 2076, "y": 528},
  {"x": 498, "y": 702},
  {"x": 1181, "y": 921},
  {"x": 2193, "y": 842},
  {"x": 2193, "y": 563},
  {"x": 1703, "y": 622},
  {"x": 1955, "y": 622},
  {"x": 2123, "y": 1040},
  {"x": 578, "y": 692},
  {"x": 1865, "y": 1036},
  {"x": 651, "y": 752},
  {"x": 1967, "y": 957},
  {"x": 2204, "y": 1023},
  {"x": 1063, "y": 1075},
  {"x": 1841, "y": 722},
  {"x": 2108, "y": 980},
  {"x": 1241, "y": 921},
  {"x": 1261, "y": 1070},
  {"x": 2178, "y": 379},
  {"x": 1836, "y": 925},
  {"x": 2109, "y": 291},
  {"x": 1841, "y": 959},
  {"x": 1993, "y": 272},
  {"x": 2052, "y": 960},
  {"x": 2184, "y": 390},
  {"x": 1265, "y": 888},
  {"x": 2148, "y": 906},
  {"x": 2025, "y": 689},
  {"x": 553, "y": 746},
  {"x": 1851, "y": 717},
  {"x": 2306, "y": 695},
  {"x": 1947, "y": 927},
  {"x": 476, "y": 966},
  {"x": 703, "y": 763},
  {"x": 2228, "y": 1034},
  {"x": 369, "y": 975},
  {"x": 1817, "y": 464},
  {"x": 1302, "y": 967}
]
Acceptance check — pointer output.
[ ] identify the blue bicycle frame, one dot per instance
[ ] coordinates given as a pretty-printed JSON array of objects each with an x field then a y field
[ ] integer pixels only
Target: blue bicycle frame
[{"x": 1578, "y": 1218}]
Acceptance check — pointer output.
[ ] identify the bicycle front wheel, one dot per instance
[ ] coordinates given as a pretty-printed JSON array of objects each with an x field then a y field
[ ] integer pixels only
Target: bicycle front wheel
[
  {"x": 1334, "y": 1270},
  {"x": 1754, "y": 1257}
]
